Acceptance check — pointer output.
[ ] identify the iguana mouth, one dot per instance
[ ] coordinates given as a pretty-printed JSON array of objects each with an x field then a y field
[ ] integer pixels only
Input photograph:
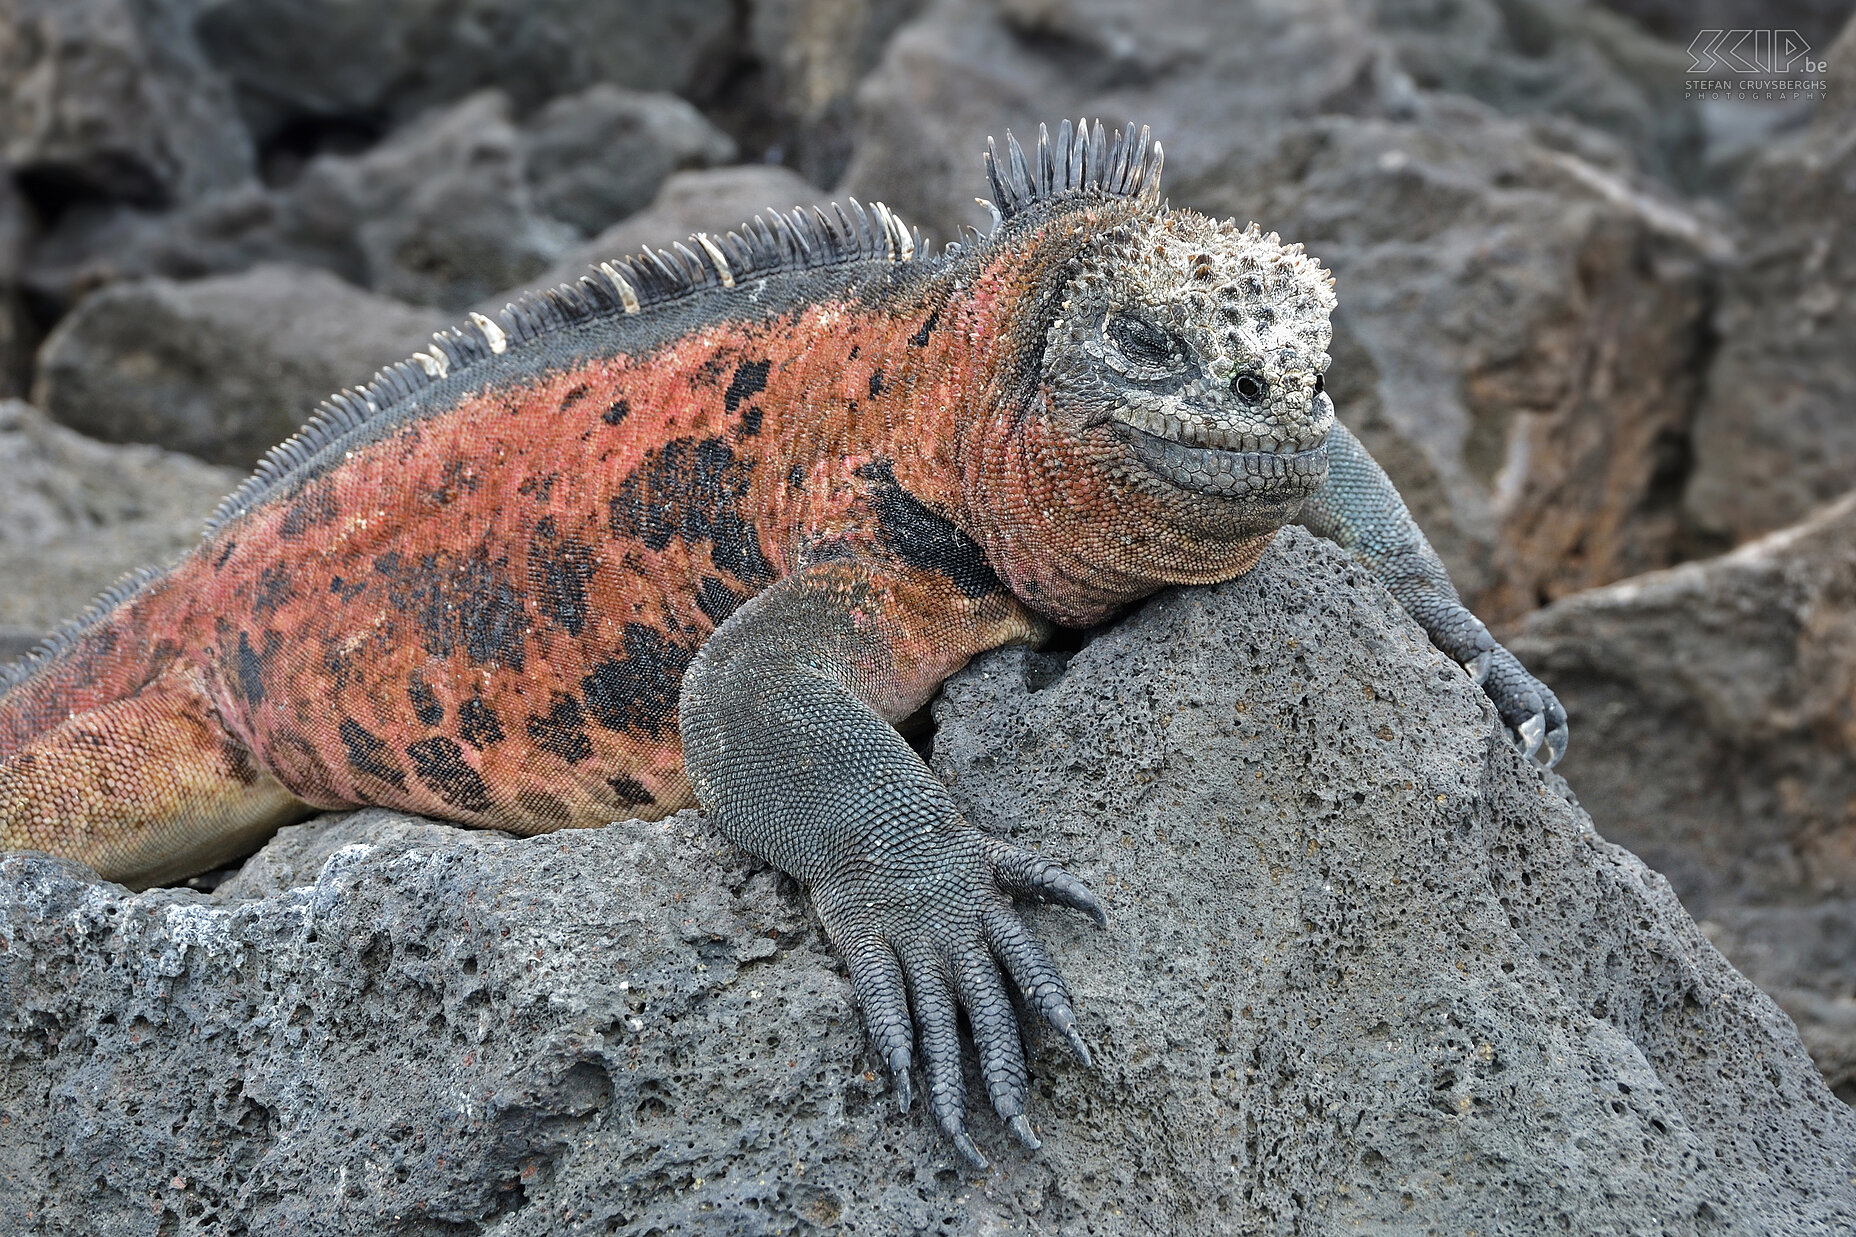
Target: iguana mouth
[{"x": 1216, "y": 470}]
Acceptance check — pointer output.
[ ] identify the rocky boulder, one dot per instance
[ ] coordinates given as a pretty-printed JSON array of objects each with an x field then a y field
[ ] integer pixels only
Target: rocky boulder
[
  {"x": 1715, "y": 708},
  {"x": 1367, "y": 970},
  {"x": 331, "y": 58},
  {"x": 599, "y": 155},
  {"x": 113, "y": 98},
  {"x": 222, "y": 368},
  {"x": 1774, "y": 436}
]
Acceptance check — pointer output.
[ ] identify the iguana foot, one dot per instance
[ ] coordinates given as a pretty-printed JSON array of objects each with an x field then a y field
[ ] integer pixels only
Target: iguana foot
[
  {"x": 928, "y": 935},
  {"x": 1535, "y": 718}
]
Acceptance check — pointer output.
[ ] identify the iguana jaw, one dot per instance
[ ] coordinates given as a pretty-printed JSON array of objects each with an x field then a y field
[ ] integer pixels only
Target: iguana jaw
[{"x": 1214, "y": 470}]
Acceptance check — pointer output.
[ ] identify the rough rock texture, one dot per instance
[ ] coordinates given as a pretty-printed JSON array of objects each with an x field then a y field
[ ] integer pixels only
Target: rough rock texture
[
  {"x": 1521, "y": 318},
  {"x": 222, "y": 368},
  {"x": 1774, "y": 435},
  {"x": 1367, "y": 971},
  {"x": 76, "y": 514},
  {"x": 1716, "y": 736},
  {"x": 1550, "y": 57},
  {"x": 599, "y": 155},
  {"x": 113, "y": 97},
  {"x": 712, "y": 200},
  {"x": 440, "y": 212},
  {"x": 323, "y": 58}
]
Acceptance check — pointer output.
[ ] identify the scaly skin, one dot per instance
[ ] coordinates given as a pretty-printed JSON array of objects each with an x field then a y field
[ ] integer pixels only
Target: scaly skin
[{"x": 706, "y": 535}]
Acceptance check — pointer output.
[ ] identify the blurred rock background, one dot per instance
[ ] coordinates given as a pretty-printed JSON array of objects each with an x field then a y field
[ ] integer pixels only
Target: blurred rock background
[{"x": 1599, "y": 326}]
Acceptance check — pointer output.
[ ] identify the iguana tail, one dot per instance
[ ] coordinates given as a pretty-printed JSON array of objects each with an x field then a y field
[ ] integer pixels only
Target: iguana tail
[{"x": 112, "y": 753}]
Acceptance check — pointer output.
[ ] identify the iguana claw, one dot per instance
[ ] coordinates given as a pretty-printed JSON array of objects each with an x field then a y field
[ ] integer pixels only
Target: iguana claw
[
  {"x": 1532, "y": 732},
  {"x": 1478, "y": 666}
]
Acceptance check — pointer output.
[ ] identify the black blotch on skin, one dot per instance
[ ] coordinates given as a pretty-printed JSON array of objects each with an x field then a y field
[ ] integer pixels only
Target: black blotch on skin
[
  {"x": 921, "y": 538},
  {"x": 478, "y": 724},
  {"x": 750, "y": 421},
  {"x": 573, "y": 397},
  {"x": 368, "y": 754},
  {"x": 750, "y": 380},
  {"x": 876, "y": 384},
  {"x": 618, "y": 412},
  {"x": 425, "y": 703},
  {"x": 440, "y": 764},
  {"x": 638, "y": 692},
  {"x": 458, "y": 602},
  {"x": 274, "y": 589},
  {"x": 538, "y": 486},
  {"x": 629, "y": 791},
  {"x": 561, "y": 731},
  {"x": 717, "y": 600},
  {"x": 316, "y": 505},
  {"x": 920, "y": 338},
  {"x": 795, "y": 478},
  {"x": 224, "y": 554},
  {"x": 345, "y": 590},
  {"x": 691, "y": 490},
  {"x": 250, "y": 672},
  {"x": 559, "y": 570}
]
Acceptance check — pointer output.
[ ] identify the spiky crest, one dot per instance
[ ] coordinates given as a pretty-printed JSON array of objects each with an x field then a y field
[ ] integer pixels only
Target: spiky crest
[{"x": 1078, "y": 161}]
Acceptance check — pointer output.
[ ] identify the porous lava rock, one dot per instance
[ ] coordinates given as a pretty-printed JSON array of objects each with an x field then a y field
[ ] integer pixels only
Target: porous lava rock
[
  {"x": 1717, "y": 716},
  {"x": 1366, "y": 970}
]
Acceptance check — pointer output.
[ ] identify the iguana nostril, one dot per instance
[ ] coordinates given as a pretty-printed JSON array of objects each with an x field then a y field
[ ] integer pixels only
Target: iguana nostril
[{"x": 1318, "y": 384}]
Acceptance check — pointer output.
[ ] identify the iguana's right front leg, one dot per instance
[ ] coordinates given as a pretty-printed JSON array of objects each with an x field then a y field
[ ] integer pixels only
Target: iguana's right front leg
[
  {"x": 787, "y": 716},
  {"x": 1360, "y": 510}
]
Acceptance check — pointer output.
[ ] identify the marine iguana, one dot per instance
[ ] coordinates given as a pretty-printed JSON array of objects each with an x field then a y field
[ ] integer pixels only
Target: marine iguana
[{"x": 702, "y": 528}]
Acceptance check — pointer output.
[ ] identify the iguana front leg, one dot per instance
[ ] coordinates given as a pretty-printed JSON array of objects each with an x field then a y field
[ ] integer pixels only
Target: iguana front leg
[
  {"x": 1359, "y": 509},
  {"x": 788, "y": 739}
]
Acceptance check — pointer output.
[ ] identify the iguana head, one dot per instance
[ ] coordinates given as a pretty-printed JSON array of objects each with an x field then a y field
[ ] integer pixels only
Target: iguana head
[
  {"x": 1178, "y": 416},
  {"x": 1198, "y": 350}
]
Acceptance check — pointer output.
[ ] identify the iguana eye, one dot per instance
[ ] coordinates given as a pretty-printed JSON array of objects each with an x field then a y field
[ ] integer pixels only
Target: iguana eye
[
  {"x": 1250, "y": 388},
  {"x": 1141, "y": 342}
]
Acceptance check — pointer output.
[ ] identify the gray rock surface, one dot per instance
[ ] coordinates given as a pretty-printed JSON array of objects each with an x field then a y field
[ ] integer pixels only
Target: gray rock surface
[
  {"x": 113, "y": 97},
  {"x": 1774, "y": 435},
  {"x": 294, "y": 58},
  {"x": 1366, "y": 971},
  {"x": 75, "y": 514},
  {"x": 222, "y": 368},
  {"x": 1716, "y": 738},
  {"x": 440, "y": 212},
  {"x": 1522, "y": 316},
  {"x": 599, "y": 155}
]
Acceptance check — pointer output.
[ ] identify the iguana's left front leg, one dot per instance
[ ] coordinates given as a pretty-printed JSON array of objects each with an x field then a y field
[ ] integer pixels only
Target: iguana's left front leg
[
  {"x": 1360, "y": 509},
  {"x": 788, "y": 740}
]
